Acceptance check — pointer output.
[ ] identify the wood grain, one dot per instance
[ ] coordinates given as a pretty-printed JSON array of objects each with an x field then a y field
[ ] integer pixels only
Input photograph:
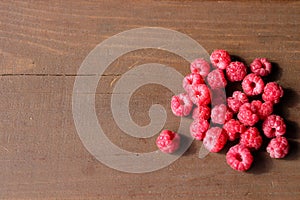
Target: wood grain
[{"x": 43, "y": 43}]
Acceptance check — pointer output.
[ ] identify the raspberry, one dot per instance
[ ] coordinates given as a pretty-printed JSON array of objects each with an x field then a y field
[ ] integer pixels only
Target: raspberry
[
  {"x": 278, "y": 147},
  {"x": 215, "y": 139},
  {"x": 200, "y": 66},
  {"x": 272, "y": 92},
  {"x": 233, "y": 129},
  {"x": 181, "y": 105},
  {"x": 220, "y": 59},
  {"x": 247, "y": 116},
  {"x": 228, "y": 115},
  {"x": 216, "y": 79},
  {"x": 218, "y": 96},
  {"x": 274, "y": 126},
  {"x": 253, "y": 85},
  {"x": 263, "y": 110},
  {"x": 236, "y": 71},
  {"x": 239, "y": 158},
  {"x": 261, "y": 67},
  {"x": 200, "y": 95},
  {"x": 219, "y": 114},
  {"x": 236, "y": 101},
  {"x": 251, "y": 138},
  {"x": 198, "y": 128},
  {"x": 201, "y": 112},
  {"x": 168, "y": 141},
  {"x": 190, "y": 80}
]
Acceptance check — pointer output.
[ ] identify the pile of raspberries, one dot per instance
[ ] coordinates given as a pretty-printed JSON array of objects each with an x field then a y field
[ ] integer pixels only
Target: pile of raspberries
[{"x": 233, "y": 119}]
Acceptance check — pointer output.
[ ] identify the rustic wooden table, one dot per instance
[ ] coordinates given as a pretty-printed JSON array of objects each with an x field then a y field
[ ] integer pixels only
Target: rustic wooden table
[{"x": 42, "y": 45}]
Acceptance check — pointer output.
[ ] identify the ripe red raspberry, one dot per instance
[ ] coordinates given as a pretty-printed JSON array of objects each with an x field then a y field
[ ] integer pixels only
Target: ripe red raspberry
[
  {"x": 278, "y": 147},
  {"x": 218, "y": 96},
  {"x": 181, "y": 105},
  {"x": 200, "y": 66},
  {"x": 229, "y": 114},
  {"x": 219, "y": 114},
  {"x": 233, "y": 129},
  {"x": 190, "y": 80},
  {"x": 236, "y": 101},
  {"x": 251, "y": 138},
  {"x": 168, "y": 141},
  {"x": 253, "y": 85},
  {"x": 272, "y": 92},
  {"x": 236, "y": 71},
  {"x": 220, "y": 59},
  {"x": 239, "y": 158},
  {"x": 200, "y": 94},
  {"x": 216, "y": 79},
  {"x": 247, "y": 116},
  {"x": 274, "y": 126},
  {"x": 261, "y": 67},
  {"x": 201, "y": 112},
  {"x": 215, "y": 139},
  {"x": 198, "y": 128},
  {"x": 263, "y": 110}
]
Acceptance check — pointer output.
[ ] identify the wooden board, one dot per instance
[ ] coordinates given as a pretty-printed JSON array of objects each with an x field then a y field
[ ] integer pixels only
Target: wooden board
[{"x": 42, "y": 45}]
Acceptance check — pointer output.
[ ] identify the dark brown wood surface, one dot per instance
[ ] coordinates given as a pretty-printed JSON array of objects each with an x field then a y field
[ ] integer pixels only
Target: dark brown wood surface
[{"x": 42, "y": 45}]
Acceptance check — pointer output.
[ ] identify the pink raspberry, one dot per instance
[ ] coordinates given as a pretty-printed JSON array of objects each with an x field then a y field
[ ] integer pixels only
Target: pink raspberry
[
  {"x": 220, "y": 59},
  {"x": 233, "y": 129},
  {"x": 272, "y": 92},
  {"x": 278, "y": 147},
  {"x": 263, "y": 110},
  {"x": 215, "y": 139},
  {"x": 251, "y": 138},
  {"x": 181, "y": 105},
  {"x": 274, "y": 126},
  {"x": 236, "y": 101},
  {"x": 201, "y": 112},
  {"x": 261, "y": 67},
  {"x": 219, "y": 114},
  {"x": 168, "y": 141},
  {"x": 247, "y": 116},
  {"x": 218, "y": 96},
  {"x": 200, "y": 94},
  {"x": 239, "y": 158},
  {"x": 216, "y": 79},
  {"x": 236, "y": 71},
  {"x": 190, "y": 80},
  {"x": 253, "y": 85},
  {"x": 198, "y": 128},
  {"x": 200, "y": 66}
]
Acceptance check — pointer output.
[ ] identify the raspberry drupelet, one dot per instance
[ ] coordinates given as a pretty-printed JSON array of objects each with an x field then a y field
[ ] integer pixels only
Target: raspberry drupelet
[
  {"x": 215, "y": 139},
  {"x": 168, "y": 141},
  {"x": 200, "y": 94},
  {"x": 191, "y": 80},
  {"x": 198, "y": 128},
  {"x": 261, "y": 67},
  {"x": 236, "y": 71},
  {"x": 233, "y": 129},
  {"x": 237, "y": 100},
  {"x": 181, "y": 105},
  {"x": 201, "y": 112},
  {"x": 273, "y": 126},
  {"x": 247, "y": 116},
  {"x": 253, "y": 85},
  {"x": 239, "y": 158},
  {"x": 200, "y": 66},
  {"x": 220, "y": 58},
  {"x": 278, "y": 147},
  {"x": 272, "y": 92},
  {"x": 251, "y": 138},
  {"x": 216, "y": 79}
]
